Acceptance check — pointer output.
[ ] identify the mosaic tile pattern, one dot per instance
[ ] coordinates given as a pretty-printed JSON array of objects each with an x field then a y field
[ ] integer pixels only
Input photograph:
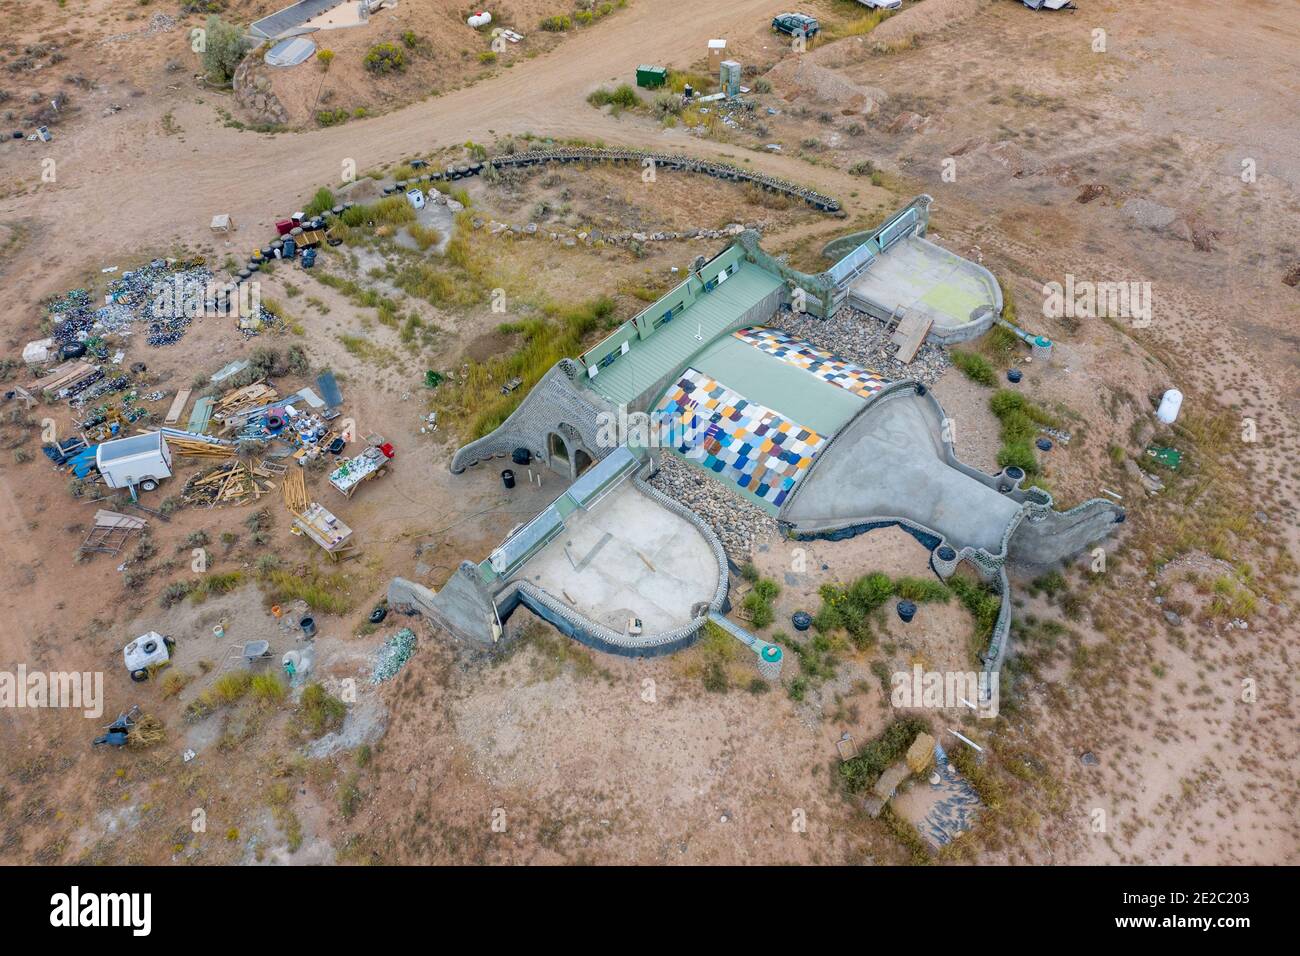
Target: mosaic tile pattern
[
  {"x": 736, "y": 439},
  {"x": 827, "y": 367}
]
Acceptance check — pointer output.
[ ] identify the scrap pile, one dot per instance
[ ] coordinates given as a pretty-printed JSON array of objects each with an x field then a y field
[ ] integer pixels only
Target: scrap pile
[
  {"x": 111, "y": 532},
  {"x": 237, "y": 407},
  {"x": 67, "y": 379},
  {"x": 234, "y": 482}
]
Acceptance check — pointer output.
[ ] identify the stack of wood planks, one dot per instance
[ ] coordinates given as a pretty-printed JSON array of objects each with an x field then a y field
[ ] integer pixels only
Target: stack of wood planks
[
  {"x": 192, "y": 448},
  {"x": 294, "y": 489},
  {"x": 63, "y": 376},
  {"x": 235, "y": 482}
]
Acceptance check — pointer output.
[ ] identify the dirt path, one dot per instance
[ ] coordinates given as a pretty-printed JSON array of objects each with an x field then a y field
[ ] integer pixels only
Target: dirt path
[{"x": 111, "y": 175}]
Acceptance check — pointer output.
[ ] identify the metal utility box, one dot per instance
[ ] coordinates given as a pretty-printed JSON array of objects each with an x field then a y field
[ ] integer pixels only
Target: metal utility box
[
  {"x": 651, "y": 77},
  {"x": 141, "y": 460}
]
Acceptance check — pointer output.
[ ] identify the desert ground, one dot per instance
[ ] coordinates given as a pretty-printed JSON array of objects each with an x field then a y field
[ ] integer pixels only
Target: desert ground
[{"x": 1149, "y": 708}]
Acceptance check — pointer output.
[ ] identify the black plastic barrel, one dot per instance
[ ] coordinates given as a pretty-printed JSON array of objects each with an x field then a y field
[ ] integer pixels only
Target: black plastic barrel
[
  {"x": 1013, "y": 375},
  {"x": 1044, "y": 444},
  {"x": 1014, "y": 473},
  {"x": 508, "y": 478},
  {"x": 521, "y": 456},
  {"x": 946, "y": 553},
  {"x": 308, "y": 625},
  {"x": 906, "y": 611},
  {"x": 801, "y": 620}
]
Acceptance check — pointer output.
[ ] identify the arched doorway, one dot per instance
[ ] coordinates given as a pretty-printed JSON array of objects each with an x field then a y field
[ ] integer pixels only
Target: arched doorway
[{"x": 557, "y": 455}]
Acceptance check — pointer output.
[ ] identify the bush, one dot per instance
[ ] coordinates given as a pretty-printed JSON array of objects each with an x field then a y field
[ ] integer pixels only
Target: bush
[
  {"x": 322, "y": 202},
  {"x": 556, "y": 24},
  {"x": 622, "y": 96},
  {"x": 320, "y": 712},
  {"x": 325, "y": 58},
  {"x": 976, "y": 368},
  {"x": 861, "y": 772},
  {"x": 225, "y": 47},
  {"x": 487, "y": 56},
  {"x": 385, "y": 58}
]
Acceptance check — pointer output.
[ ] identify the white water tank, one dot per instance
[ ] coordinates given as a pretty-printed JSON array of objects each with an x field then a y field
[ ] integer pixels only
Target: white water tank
[
  {"x": 1170, "y": 406},
  {"x": 480, "y": 19}
]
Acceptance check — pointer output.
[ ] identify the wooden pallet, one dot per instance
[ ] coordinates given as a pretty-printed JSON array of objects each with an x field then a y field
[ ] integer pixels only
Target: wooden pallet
[{"x": 910, "y": 334}]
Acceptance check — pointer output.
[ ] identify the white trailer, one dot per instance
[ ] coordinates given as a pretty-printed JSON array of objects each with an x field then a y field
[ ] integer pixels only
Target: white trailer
[{"x": 139, "y": 461}]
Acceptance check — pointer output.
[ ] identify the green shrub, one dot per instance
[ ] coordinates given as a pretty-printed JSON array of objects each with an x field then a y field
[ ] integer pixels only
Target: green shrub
[
  {"x": 322, "y": 202},
  {"x": 319, "y": 712},
  {"x": 622, "y": 96},
  {"x": 976, "y": 368},
  {"x": 385, "y": 58},
  {"x": 556, "y": 24},
  {"x": 861, "y": 772}
]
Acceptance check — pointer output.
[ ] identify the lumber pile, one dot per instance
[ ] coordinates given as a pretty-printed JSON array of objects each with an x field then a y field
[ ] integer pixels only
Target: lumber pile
[
  {"x": 63, "y": 376},
  {"x": 235, "y": 482},
  {"x": 294, "y": 489},
  {"x": 192, "y": 448}
]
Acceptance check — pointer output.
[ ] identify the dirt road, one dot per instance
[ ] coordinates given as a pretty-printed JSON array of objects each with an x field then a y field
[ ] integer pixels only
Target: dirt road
[{"x": 112, "y": 174}]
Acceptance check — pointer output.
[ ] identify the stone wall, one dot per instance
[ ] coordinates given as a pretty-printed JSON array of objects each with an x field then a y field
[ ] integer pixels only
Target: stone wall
[{"x": 253, "y": 93}]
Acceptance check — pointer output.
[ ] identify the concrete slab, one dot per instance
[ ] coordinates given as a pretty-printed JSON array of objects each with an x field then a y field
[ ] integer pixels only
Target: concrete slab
[
  {"x": 916, "y": 274},
  {"x": 628, "y": 557}
]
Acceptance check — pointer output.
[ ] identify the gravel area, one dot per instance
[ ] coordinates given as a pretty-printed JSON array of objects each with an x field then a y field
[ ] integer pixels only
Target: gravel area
[
  {"x": 735, "y": 521},
  {"x": 859, "y": 338}
]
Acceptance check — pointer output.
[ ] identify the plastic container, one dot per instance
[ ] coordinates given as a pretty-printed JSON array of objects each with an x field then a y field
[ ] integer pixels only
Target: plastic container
[
  {"x": 801, "y": 620},
  {"x": 1170, "y": 405},
  {"x": 1043, "y": 444},
  {"x": 906, "y": 611},
  {"x": 508, "y": 478},
  {"x": 308, "y": 625},
  {"x": 1014, "y": 375},
  {"x": 521, "y": 456}
]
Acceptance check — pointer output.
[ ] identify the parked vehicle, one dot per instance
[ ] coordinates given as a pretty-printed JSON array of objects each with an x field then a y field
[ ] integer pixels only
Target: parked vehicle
[
  {"x": 882, "y": 4},
  {"x": 796, "y": 24}
]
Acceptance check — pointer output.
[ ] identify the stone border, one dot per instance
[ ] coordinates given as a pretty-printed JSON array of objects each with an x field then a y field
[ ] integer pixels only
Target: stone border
[{"x": 591, "y": 154}]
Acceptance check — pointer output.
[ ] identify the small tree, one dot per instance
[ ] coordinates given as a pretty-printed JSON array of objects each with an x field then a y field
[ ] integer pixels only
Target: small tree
[
  {"x": 225, "y": 45},
  {"x": 325, "y": 58}
]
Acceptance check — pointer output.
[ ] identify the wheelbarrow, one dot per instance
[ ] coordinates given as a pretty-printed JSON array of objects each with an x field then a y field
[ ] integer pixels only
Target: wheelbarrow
[{"x": 118, "y": 730}]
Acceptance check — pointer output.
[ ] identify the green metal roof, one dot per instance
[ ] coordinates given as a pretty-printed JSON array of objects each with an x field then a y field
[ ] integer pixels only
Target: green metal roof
[{"x": 672, "y": 345}]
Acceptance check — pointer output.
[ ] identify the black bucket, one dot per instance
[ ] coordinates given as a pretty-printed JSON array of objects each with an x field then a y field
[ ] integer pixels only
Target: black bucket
[
  {"x": 906, "y": 611},
  {"x": 1014, "y": 375},
  {"x": 801, "y": 620},
  {"x": 508, "y": 478},
  {"x": 308, "y": 625}
]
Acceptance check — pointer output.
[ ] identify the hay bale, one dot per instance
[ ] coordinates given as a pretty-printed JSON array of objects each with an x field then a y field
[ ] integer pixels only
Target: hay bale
[{"x": 921, "y": 754}]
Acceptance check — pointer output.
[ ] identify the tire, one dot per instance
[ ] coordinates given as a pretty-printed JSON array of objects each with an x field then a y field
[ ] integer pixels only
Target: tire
[
  {"x": 148, "y": 484},
  {"x": 139, "y": 676}
]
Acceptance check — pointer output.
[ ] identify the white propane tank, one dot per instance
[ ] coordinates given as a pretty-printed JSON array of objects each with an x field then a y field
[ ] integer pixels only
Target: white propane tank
[
  {"x": 1170, "y": 406},
  {"x": 480, "y": 19}
]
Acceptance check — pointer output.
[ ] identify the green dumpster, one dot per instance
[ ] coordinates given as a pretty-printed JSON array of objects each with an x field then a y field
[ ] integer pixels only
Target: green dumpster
[{"x": 649, "y": 77}]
